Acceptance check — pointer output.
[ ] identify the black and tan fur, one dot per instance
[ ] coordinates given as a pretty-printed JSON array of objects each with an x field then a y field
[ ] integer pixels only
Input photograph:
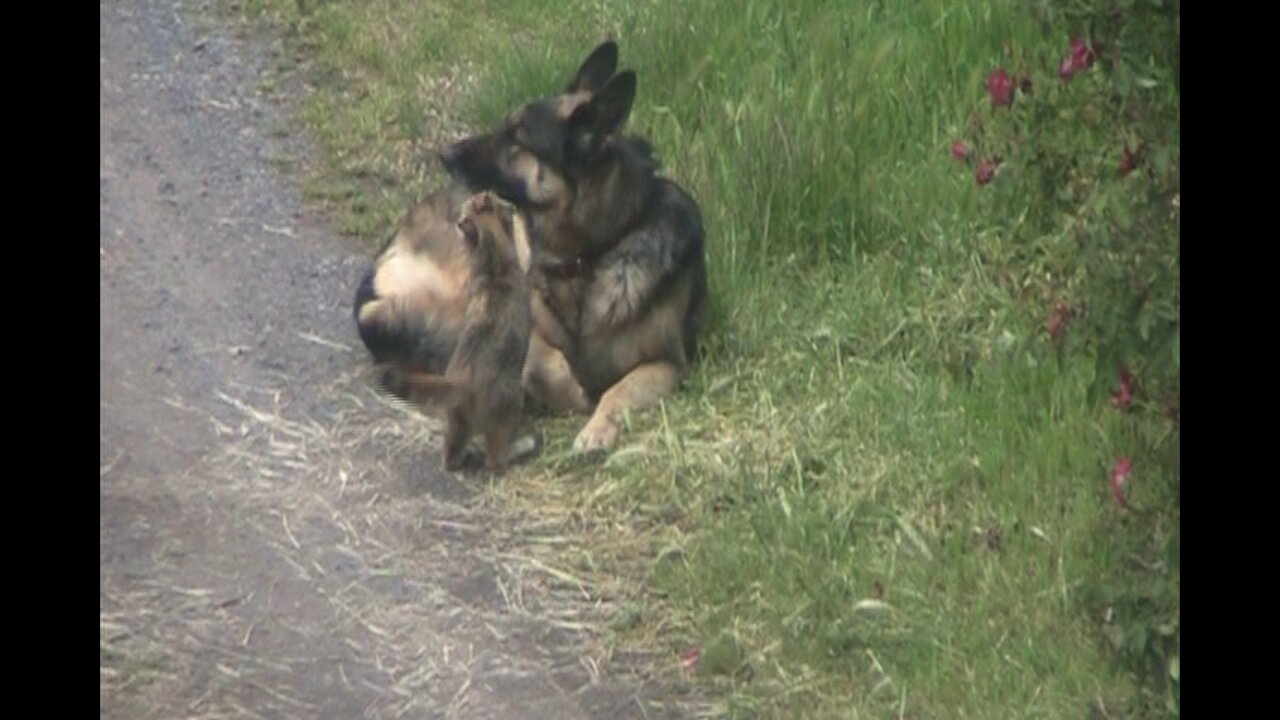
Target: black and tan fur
[
  {"x": 619, "y": 274},
  {"x": 410, "y": 302},
  {"x": 614, "y": 251},
  {"x": 481, "y": 390}
]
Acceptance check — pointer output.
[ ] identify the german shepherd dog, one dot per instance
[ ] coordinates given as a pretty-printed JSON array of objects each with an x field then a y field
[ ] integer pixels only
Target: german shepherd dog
[
  {"x": 615, "y": 254},
  {"x": 481, "y": 389},
  {"x": 411, "y": 302}
]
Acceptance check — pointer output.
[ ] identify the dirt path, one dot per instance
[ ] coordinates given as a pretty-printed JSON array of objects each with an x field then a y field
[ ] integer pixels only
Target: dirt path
[{"x": 277, "y": 541}]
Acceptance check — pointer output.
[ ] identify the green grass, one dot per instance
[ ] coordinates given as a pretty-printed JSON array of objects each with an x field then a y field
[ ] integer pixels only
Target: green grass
[{"x": 882, "y": 492}]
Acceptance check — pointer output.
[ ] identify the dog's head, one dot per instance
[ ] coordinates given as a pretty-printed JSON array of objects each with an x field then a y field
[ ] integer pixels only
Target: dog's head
[{"x": 535, "y": 157}]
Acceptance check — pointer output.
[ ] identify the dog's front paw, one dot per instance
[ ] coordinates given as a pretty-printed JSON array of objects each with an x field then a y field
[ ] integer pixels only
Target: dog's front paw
[{"x": 599, "y": 434}]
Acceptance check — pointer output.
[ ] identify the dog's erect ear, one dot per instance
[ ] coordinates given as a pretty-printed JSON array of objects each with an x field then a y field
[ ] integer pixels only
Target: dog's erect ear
[
  {"x": 596, "y": 69},
  {"x": 604, "y": 116}
]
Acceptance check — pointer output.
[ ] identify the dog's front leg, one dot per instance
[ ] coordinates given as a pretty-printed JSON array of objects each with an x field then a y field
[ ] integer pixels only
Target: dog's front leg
[{"x": 642, "y": 387}]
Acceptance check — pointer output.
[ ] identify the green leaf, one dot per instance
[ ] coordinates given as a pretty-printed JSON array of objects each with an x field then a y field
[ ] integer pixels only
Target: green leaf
[
  {"x": 1122, "y": 216},
  {"x": 1122, "y": 80},
  {"x": 1006, "y": 341},
  {"x": 722, "y": 656},
  {"x": 786, "y": 506},
  {"x": 1138, "y": 641},
  {"x": 1173, "y": 668},
  {"x": 1116, "y": 635},
  {"x": 1105, "y": 375},
  {"x": 1162, "y": 161}
]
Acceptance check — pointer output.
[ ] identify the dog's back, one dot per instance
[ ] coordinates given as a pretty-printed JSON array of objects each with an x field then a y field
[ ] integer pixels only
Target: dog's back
[{"x": 410, "y": 303}]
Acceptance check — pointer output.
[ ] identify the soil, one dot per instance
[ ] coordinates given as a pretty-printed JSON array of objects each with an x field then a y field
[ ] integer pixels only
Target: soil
[{"x": 276, "y": 539}]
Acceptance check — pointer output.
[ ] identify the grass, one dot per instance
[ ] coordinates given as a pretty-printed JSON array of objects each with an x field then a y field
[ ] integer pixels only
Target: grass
[{"x": 882, "y": 492}]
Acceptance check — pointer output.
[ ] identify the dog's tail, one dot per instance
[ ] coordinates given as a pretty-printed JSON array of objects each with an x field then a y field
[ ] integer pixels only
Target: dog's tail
[
  {"x": 398, "y": 332},
  {"x": 431, "y": 390}
]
